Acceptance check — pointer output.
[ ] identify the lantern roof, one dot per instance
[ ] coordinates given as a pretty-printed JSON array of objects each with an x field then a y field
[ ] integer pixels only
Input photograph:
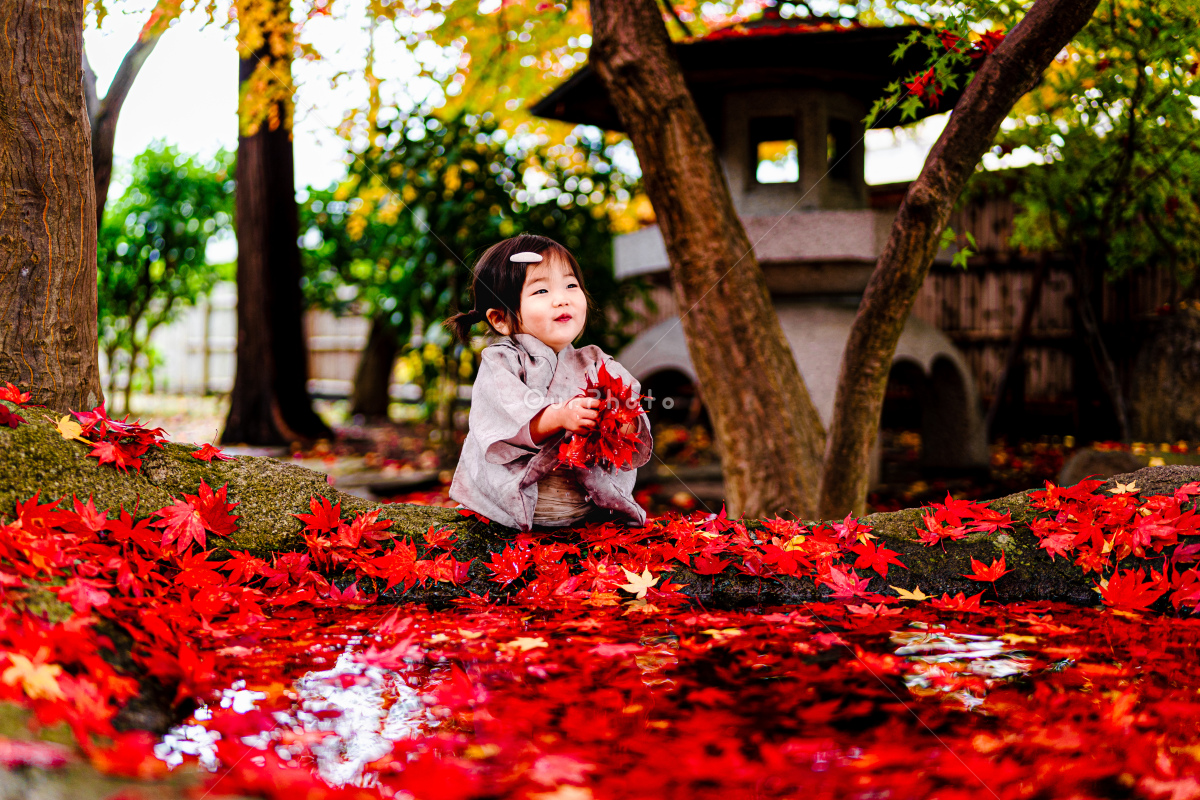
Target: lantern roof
[{"x": 767, "y": 52}]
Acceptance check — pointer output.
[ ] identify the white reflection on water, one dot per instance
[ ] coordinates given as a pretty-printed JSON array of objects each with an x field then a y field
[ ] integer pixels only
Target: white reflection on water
[
  {"x": 361, "y": 710},
  {"x": 944, "y": 659},
  {"x": 375, "y": 709}
]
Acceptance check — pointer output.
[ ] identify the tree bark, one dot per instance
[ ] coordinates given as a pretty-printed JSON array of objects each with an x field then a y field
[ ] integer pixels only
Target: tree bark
[
  {"x": 103, "y": 113},
  {"x": 373, "y": 377},
  {"x": 48, "y": 341},
  {"x": 766, "y": 426},
  {"x": 270, "y": 404},
  {"x": 1006, "y": 75}
]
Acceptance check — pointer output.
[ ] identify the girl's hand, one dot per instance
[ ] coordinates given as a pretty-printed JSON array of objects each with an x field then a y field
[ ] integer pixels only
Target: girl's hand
[{"x": 577, "y": 415}]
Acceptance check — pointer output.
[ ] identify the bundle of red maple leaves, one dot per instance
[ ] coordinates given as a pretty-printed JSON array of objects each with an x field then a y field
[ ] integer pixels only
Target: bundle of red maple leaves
[{"x": 613, "y": 441}]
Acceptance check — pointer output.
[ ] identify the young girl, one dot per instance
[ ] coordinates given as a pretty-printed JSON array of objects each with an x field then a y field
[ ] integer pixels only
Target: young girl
[{"x": 529, "y": 392}]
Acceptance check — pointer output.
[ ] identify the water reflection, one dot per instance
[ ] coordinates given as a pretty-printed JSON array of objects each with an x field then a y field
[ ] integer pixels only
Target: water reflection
[
  {"x": 354, "y": 711},
  {"x": 959, "y": 665}
]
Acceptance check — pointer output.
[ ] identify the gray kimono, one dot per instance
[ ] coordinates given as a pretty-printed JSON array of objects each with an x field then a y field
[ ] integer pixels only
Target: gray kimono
[{"x": 500, "y": 466}]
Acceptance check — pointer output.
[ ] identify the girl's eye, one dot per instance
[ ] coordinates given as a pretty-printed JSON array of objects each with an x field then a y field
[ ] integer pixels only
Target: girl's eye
[{"x": 572, "y": 285}]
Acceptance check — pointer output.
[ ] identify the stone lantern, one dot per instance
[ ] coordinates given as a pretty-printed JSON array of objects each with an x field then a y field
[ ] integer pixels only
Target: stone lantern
[{"x": 784, "y": 102}]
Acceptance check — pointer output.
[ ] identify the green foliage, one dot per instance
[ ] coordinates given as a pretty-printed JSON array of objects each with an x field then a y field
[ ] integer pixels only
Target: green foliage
[
  {"x": 1116, "y": 125},
  {"x": 398, "y": 238},
  {"x": 151, "y": 251},
  {"x": 956, "y": 39}
]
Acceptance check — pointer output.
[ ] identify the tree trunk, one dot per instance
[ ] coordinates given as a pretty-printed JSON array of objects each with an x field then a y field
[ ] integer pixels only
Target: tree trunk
[
  {"x": 768, "y": 430},
  {"x": 103, "y": 113},
  {"x": 374, "y": 375},
  {"x": 270, "y": 403},
  {"x": 48, "y": 341},
  {"x": 1006, "y": 75}
]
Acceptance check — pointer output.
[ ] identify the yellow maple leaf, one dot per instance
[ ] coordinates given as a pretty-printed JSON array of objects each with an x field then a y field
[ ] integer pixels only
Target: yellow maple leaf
[
  {"x": 1016, "y": 638},
  {"x": 638, "y": 584},
  {"x": 916, "y": 594},
  {"x": 1125, "y": 488},
  {"x": 69, "y": 429},
  {"x": 39, "y": 680},
  {"x": 527, "y": 643},
  {"x": 599, "y": 599}
]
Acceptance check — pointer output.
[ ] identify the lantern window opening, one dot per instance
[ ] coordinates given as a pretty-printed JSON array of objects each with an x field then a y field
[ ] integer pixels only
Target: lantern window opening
[{"x": 775, "y": 149}]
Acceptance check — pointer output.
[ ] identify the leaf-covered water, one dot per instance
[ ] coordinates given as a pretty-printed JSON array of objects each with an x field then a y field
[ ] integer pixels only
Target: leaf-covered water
[{"x": 829, "y": 700}]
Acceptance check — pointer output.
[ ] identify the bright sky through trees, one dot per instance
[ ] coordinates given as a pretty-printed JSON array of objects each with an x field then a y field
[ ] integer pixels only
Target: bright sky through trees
[{"x": 187, "y": 95}]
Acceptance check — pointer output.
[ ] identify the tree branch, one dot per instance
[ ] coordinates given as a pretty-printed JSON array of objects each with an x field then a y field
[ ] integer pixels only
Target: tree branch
[
  {"x": 1005, "y": 76},
  {"x": 104, "y": 120}
]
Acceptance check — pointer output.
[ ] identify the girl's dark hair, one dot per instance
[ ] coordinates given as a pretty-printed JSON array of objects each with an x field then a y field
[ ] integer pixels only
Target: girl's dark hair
[{"x": 498, "y": 282}]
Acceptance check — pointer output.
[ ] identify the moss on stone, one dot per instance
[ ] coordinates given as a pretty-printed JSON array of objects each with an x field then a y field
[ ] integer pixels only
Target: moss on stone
[{"x": 34, "y": 459}]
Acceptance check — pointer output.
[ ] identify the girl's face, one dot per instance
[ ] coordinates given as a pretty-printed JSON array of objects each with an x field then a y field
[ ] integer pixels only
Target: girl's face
[{"x": 553, "y": 306}]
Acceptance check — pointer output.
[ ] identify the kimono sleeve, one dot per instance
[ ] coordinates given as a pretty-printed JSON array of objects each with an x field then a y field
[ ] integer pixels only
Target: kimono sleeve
[
  {"x": 502, "y": 406},
  {"x": 646, "y": 440}
]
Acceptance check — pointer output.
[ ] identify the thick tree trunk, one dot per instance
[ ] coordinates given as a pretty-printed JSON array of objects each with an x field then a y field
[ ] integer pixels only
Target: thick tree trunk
[
  {"x": 1003, "y": 78},
  {"x": 374, "y": 375},
  {"x": 768, "y": 430},
  {"x": 48, "y": 332},
  {"x": 270, "y": 403}
]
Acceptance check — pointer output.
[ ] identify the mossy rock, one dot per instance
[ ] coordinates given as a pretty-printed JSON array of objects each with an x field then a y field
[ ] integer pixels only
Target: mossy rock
[{"x": 35, "y": 458}]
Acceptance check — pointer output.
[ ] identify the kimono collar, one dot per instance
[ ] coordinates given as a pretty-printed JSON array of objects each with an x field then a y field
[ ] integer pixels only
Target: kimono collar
[{"x": 536, "y": 347}]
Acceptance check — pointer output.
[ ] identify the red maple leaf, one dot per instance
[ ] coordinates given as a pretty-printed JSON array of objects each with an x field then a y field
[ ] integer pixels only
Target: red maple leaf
[
  {"x": 89, "y": 519},
  {"x": 324, "y": 518},
  {"x": 1129, "y": 592},
  {"x": 14, "y": 395},
  {"x": 182, "y": 525},
  {"x": 876, "y": 558},
  {"x": 988, "y": 572},
  {"x": 208, "y": 453},
  {"x": 709, "y": 565},
  {"x": 609, "y": 443},
  {"x": 508, "y": 565},
  {"x": 84, "y": 594},
  {"x": 214, "y": 510},
  {"x": 1058, "y": 543},
  {"x": 987, "y": 44},
  {"x": 950, "y": 40},
  {"x": 959, "y": 602},
  {"x": 10, "y": 418},
  {"x": 926, "y": 87},
  {"x": 844, "y": 583},
  {"x": 107, "y": 452},
  {"x": 441, "y": 539}
]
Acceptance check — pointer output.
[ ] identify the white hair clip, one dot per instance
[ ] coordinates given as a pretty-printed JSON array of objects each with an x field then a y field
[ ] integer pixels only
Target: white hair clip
[{"x": 525, "y": 258}]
